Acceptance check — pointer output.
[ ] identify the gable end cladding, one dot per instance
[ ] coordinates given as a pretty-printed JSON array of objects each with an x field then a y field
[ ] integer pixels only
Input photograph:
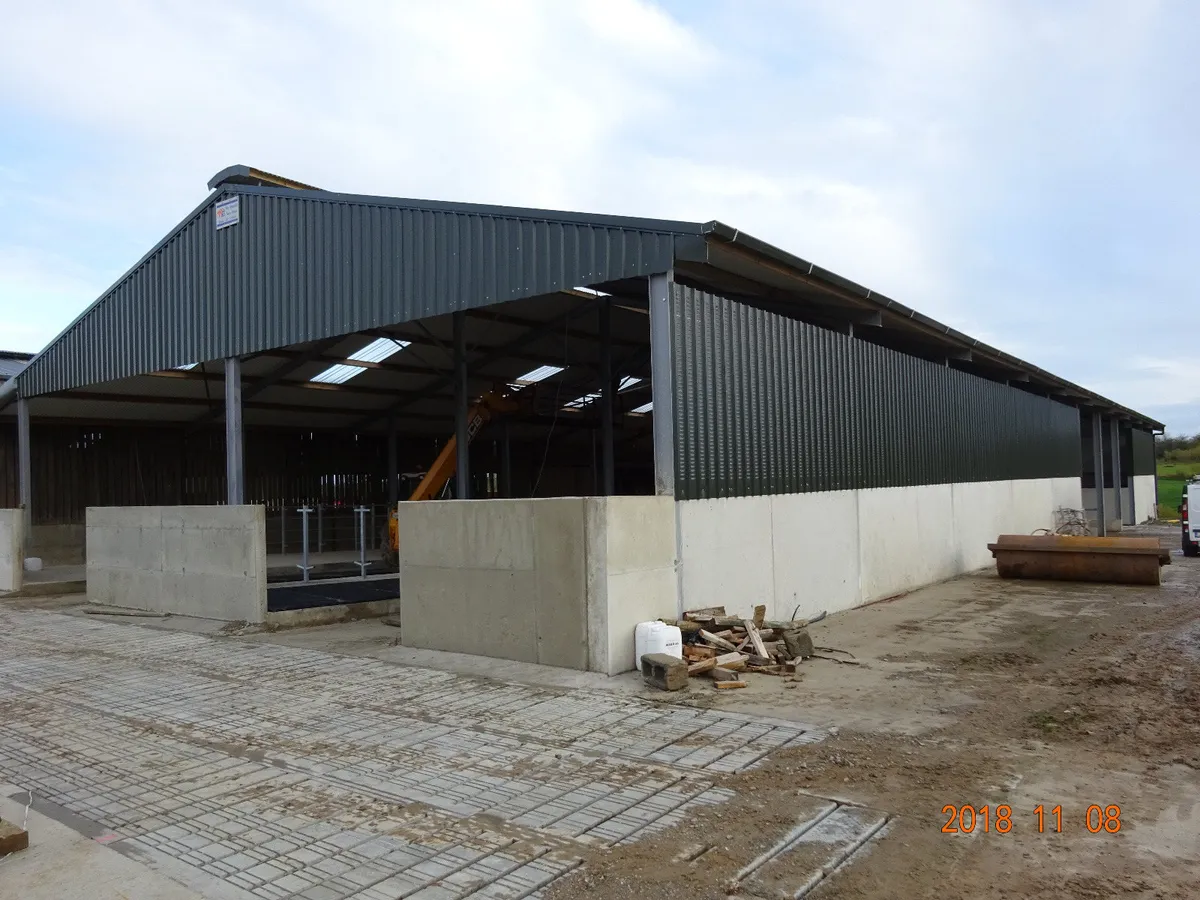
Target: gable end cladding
[{"x": 301, "y": 266}]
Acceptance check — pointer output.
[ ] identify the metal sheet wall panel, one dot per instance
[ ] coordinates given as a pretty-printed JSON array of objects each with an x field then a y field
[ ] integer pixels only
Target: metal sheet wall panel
[
  {"x": 304, "y": 267},
  {"x": 1144, "y": 462},
  {"x": 765, "y": 404}
]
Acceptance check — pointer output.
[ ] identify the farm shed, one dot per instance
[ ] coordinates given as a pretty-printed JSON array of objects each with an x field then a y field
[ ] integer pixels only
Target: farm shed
[{"x": 816, "y": 444}]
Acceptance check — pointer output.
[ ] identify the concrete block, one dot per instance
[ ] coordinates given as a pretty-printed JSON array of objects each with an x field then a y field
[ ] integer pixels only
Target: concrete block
[
  {"x": 664, "y": 672},
  {"x": 799, "y": 643},
  {"x": 12, "y": 839}
]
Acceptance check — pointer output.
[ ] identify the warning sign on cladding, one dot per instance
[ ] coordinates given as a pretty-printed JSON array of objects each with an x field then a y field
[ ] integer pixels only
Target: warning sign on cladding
[{"x": 228, "y": 213}]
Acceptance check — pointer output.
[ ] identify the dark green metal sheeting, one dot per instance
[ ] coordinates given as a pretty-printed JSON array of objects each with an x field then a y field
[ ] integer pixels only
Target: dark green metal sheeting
[
  {"x": 1144, "y": 462},
  {"x": 301, "y": 266},
  {"x": 765, "y": 404}
]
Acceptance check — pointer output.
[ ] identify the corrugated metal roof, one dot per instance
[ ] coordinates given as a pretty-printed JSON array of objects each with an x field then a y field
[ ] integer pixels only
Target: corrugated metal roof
[
  {"x": 306, "y": 264},
  {"x": 12, "y": 363}
]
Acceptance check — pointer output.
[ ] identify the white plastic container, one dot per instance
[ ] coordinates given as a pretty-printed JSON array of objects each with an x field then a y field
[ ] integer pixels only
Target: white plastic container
[
  {"x": 33, "y": 564},
  {"x": 656, "y": 637}
]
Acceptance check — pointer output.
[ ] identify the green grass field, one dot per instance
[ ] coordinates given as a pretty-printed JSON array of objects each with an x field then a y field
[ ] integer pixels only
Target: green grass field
[{"x": 1171, "y": 479}]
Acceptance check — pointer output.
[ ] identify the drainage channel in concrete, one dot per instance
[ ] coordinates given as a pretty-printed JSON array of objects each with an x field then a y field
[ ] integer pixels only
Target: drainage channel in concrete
[{"x": 284, "y": 772}]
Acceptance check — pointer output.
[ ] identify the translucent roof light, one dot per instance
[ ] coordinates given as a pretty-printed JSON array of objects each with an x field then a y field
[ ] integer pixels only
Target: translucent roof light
[
  {"x": 580, "y": 402},
  {"x": 541, "y": 373},
  {"x": 376, "y": 351}
]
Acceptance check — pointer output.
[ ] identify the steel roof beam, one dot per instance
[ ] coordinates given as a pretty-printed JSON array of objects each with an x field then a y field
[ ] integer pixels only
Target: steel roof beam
[{"x": 497, "y": 353}]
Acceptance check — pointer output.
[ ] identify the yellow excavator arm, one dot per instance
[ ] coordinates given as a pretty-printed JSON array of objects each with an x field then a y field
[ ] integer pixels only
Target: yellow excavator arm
[{"x": 486, "y": 408}]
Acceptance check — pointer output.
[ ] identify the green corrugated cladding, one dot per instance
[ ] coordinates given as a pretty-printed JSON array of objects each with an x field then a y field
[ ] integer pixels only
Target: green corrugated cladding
[
  {"x": 1144, "y": 462},
  {"x": 301, "y": 266},
  {"x": 768, "y": 405}
]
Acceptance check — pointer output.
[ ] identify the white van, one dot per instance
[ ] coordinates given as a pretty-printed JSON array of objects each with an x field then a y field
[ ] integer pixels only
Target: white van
[{"x": 1191, "y": 526}]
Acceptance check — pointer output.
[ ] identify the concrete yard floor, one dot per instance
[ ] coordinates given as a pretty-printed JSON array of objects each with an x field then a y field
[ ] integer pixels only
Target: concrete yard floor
[{"x": 326, "y": 763}]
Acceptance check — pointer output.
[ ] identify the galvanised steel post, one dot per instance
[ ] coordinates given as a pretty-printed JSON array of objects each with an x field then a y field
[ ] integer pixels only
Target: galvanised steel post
[
  {"x": 1115, "y": 437},
  {"x": 24, "y": 473},
  {"x": 393, "y": 475},
  {"x": 662, "y": 383},
  {"x": 462, "y": 470},
  {"x": 304, "y": 566},
  {"x": 1098, "y": 465},
  {"x": 235, "y": 468},
  {"x": 362, "y": 541},
  {"x": 608, "y": 400}
]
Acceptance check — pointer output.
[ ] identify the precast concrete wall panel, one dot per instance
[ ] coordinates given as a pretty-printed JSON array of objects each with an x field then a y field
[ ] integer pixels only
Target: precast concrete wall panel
[
  {"x": 561, "y": 582},
  {"x": 12, "y": 557},
  {"x": 202, "y": 561},
  {"x": 832, "y": 550}
]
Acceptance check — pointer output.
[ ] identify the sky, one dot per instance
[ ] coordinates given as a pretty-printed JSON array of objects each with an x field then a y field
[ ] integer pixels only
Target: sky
[{"x": 1023, "y": 171}]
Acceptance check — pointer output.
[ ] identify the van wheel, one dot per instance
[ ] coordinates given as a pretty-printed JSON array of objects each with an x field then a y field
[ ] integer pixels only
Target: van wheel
[{"x": 1190, "y": 547}]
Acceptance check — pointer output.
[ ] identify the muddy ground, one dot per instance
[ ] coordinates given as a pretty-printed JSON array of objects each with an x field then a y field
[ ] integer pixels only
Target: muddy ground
[{"x": 979, "y": 692}]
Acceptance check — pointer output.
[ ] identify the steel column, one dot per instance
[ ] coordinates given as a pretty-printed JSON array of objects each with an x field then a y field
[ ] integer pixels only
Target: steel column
[
  {"x": 505, "y": 462},
  {"x": 1115, "y": 437},
  {"x": 608, "y": 400},
  {"x": 235, "y": 467},
  {"x": 24, "y": 472},
  {"x": 1098, "y": 465},
  {"x": 462, "y": 469},
  {"x": 393, "y": 475},
  {"x": 662, "y": 383}
]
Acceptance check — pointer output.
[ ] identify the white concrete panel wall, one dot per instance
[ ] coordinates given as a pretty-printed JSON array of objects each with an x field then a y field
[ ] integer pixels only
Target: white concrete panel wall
[
  {"x": 558, "y": 581},
  {"x": 840, "y": 549},
  {"x": 12, "y": 528},
  {"x": 1145, "y": 501},
  {"x": 204, "y": 561},
  {"x": 804, "y": 527}
]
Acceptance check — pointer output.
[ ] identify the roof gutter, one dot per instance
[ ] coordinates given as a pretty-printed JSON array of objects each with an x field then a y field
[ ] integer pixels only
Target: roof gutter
[{"x": 723, "y": 232}]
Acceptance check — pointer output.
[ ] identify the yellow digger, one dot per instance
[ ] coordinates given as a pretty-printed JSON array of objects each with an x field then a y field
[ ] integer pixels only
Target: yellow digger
[{"x": 487, "y": 407}]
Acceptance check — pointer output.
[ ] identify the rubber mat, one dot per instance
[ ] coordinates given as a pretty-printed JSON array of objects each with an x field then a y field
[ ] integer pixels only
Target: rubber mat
[{"x": 337, "y": 593}]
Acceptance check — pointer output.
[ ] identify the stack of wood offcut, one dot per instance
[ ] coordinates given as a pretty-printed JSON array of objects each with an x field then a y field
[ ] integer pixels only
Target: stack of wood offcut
[{"x": 724, "y": 647}]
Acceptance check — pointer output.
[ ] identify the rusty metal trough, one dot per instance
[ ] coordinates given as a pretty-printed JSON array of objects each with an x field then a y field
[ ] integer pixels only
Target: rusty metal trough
[{"x": 1120, "y": 560}]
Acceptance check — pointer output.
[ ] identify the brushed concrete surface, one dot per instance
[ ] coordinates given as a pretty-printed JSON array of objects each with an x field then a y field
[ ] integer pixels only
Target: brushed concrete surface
[
  {"x": 248, "y": 768},
  {"x": 63, "y": 864}
]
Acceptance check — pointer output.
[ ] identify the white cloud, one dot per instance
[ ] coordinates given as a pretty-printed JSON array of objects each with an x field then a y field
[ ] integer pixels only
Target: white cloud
[{"x": 967, "y": 159}]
